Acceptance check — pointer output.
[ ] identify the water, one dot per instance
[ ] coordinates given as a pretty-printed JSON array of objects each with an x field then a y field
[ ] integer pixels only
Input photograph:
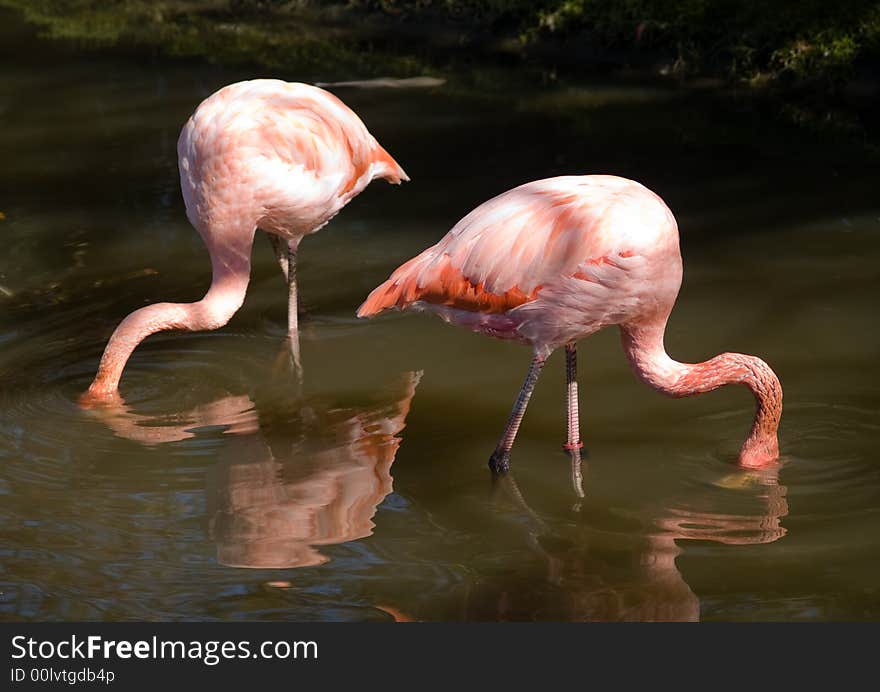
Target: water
[{"x": 216, "y": 493}]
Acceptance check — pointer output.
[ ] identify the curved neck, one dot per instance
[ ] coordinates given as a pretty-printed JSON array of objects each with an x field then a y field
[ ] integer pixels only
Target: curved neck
[
  {"x": 647, "y": 355},
  {"x": 231, "y": 273}
]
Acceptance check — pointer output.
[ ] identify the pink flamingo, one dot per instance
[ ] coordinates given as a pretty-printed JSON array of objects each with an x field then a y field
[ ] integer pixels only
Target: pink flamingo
[
  {"x": 553, "y": 261},
  {"x": 281, "y": 157}
]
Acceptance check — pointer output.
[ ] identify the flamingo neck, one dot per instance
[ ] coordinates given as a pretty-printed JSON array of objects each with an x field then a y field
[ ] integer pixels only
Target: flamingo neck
[
  {"x": 226, "y": 294},
  {"x": 647, "y": 355},
  {"x": 130, "y": 332}
]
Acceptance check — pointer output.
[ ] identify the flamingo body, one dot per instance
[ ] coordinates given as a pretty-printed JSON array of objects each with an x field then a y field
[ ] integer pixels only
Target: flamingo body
[
  {"x": 282, "y": 157},
  {"x": 262, "y": 154},
  {"x": 547, "y": 263},
  {"x": 553, "y": 261}
]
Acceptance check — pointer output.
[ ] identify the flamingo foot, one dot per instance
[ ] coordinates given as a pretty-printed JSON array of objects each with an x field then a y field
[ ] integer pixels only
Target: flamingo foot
[
  {"x": 286, "y": 366},
  {"x": 499, "y": 462},
  {"x": 577, "y": 476}
]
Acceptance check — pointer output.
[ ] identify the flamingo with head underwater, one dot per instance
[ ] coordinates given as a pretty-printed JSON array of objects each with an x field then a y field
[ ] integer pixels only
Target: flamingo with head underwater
[
  {"x": 263, "y": 154},
  {"x": 553, "y": 261}
]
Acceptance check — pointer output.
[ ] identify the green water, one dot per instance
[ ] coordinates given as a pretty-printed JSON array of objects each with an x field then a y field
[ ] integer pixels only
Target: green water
[{"x": 217, "y": 493}]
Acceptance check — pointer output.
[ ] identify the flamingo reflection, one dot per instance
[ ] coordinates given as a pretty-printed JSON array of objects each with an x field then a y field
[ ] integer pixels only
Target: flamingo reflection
[
  {"x": 287, "y": 482},
  {"x": 629, "y": 572}
]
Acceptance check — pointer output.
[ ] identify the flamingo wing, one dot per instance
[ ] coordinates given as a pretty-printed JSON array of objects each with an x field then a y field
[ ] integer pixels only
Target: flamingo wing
[{"x": 517, "y": 245}]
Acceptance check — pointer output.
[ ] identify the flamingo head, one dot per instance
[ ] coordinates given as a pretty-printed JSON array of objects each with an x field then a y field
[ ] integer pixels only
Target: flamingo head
[{"x": 759, "y": 451}]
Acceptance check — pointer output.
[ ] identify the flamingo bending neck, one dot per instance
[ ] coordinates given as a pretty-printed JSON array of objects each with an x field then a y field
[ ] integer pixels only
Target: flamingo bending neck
[
  {"x": 230, "y": 277},
  {"x": 647, "y": 355}
]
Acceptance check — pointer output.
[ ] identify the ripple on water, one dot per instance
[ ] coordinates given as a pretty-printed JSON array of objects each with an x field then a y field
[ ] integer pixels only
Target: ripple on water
[
  {"x": 164, "y": 384},
  {"x": 310, "y": 474},
  {"x": 823, "y": 456},
  {"x": 829, "y": 470}
]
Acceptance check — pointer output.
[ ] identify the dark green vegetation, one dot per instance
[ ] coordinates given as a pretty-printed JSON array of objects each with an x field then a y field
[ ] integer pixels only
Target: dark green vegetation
[
  {"x": 817, "y": 61},
  {"x": 743, "y": 40}
]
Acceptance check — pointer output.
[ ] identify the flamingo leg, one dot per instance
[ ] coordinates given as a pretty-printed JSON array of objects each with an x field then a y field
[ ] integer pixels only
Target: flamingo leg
[
  {"x": 280, "y": 248},
  {"x": 573, "y": 444},
  {"x": 292, "y": 311},
  {"x": 285, "y": 252},
  {"x": 499, "y": 462}
]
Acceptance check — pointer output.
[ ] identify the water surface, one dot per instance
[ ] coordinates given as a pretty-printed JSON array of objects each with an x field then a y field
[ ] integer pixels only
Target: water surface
[{"x": 217, "y": 492}]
